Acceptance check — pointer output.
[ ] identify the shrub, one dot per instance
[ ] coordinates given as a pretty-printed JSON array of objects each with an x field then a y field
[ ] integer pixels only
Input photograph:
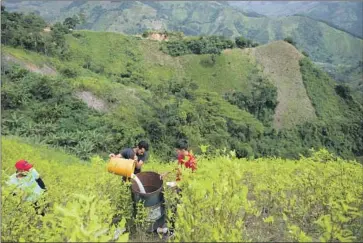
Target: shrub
[
  {"x": 70, "y": 72},
  {"x": 290, "y": 40},
  {"x": 202, "y": 45},
  {"x": 312, "y": 199},
  {"x": 305, "y": 54}
]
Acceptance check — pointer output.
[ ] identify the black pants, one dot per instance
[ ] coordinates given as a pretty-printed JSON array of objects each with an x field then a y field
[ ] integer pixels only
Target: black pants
[
  {"x": 174, "y": 209},
  {"x": 38, "y": 209}
]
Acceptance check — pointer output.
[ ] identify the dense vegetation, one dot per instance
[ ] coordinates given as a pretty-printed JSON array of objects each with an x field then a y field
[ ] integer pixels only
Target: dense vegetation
[
  {"x": 204, "y": 45},
  {"x": 351, "y": 76},
  {"x": 26, "y": 30},
  {"x": 311, "y": 199},
  {"x": 147, "y": 99},
  {"x": 46, "y": 109},
  {"x": 339, "y": 126}
]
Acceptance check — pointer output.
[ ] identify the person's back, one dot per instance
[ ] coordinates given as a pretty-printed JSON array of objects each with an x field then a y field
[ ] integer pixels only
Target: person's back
[{"x": 27, "y": 179}]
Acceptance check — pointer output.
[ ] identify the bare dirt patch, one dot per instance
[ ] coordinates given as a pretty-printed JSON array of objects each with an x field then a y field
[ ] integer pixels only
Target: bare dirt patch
[
  {"x": 44, "y": 70},
  {"x": 227, "y": 51},
  {"x": 280, "y": 62},
  {"x": 47, "y": 29},
  {"x": 92, "y": 101},
  {"x": 158, "y": 37}
]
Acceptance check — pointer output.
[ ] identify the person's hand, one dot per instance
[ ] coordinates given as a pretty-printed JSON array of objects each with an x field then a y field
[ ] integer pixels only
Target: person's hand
[
  {"x": 139, "y": 164},
  {"x": 111, "y": 155}
]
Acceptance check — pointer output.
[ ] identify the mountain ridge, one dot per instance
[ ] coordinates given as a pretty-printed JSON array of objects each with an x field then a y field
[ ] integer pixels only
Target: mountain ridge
[
  {"x": 208, "y": 18},
  {"x": 347, "y": 16}
]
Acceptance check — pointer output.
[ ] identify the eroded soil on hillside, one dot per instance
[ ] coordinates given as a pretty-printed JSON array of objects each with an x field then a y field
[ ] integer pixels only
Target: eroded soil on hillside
[
  {"x": 45, "y": 70},
  {"x": 92, "y": 101},
  {"x": 280, "y": 62}
]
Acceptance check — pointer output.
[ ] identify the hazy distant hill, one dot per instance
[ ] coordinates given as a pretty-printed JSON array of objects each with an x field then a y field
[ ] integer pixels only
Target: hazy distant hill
[{"x": 344, "y": 15}]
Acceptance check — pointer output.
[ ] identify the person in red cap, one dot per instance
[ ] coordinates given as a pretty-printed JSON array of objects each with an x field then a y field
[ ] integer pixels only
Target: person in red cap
[
  {"x": 23, "y": 168},
  {"x": 27, "y": 178}
]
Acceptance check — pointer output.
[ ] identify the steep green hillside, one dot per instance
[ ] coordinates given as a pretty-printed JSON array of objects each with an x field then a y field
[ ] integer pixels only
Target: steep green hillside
[
  {"x": 108, "y": 91},
  {"x": 268, "y": 199},
  {"x": 141, "y": 102},
  {"x": 131, "y": 59},
  {"x": 351, "y": 76},
  {"x": 322, "y": 42}
]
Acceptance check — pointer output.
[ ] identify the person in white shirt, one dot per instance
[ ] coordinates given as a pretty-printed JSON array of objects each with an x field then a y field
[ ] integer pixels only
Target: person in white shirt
[{"x": 27, "y": 179}]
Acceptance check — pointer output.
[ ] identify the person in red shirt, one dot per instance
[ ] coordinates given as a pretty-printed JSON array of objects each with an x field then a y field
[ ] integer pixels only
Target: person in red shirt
[{"x": 185, "y": 157}]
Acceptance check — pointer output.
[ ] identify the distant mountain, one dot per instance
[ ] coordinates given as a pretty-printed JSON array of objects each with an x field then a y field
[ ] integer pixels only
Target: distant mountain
[
  {"x": 347, "y": 16},
  {"x": 274, "y": 8},
  {"x": 322, "y": 42}
]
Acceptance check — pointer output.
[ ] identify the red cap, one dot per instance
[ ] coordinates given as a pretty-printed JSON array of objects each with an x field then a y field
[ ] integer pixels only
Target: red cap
[{"x": 23, "y": 165}]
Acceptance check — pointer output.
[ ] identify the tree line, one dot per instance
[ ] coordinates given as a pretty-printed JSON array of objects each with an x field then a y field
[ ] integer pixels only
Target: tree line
[
  {"x": 204, "y": 45},
  {"x": 28, "y": 31}
]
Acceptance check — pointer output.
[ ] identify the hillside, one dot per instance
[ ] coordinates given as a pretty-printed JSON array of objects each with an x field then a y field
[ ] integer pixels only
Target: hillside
[
  {"x": 224, "y": 100},
  {"x": 280, "y": 61},
  {"x": 322, "y": 42},
  {"x": 342, "y": 15},
  {"x": 83, "y": 199}
]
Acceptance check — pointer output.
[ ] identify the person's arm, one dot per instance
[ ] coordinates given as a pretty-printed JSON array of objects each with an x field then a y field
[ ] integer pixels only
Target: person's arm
[
  {"x": 146, "y": 157},
  {"x": 40, "y": 183},
  {"x": 117, "y": 155},
  {"x": 139, "y": 164},
  {"x": 142, "y": 160}
]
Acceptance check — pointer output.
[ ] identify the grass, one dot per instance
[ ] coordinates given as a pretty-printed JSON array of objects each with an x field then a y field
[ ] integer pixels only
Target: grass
[
  {"x": 231, "y": 70},
  {"x": 320, "y": 88},
  {"x": 29, "y": 56},
  {"x": 110, "y": 50}
]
